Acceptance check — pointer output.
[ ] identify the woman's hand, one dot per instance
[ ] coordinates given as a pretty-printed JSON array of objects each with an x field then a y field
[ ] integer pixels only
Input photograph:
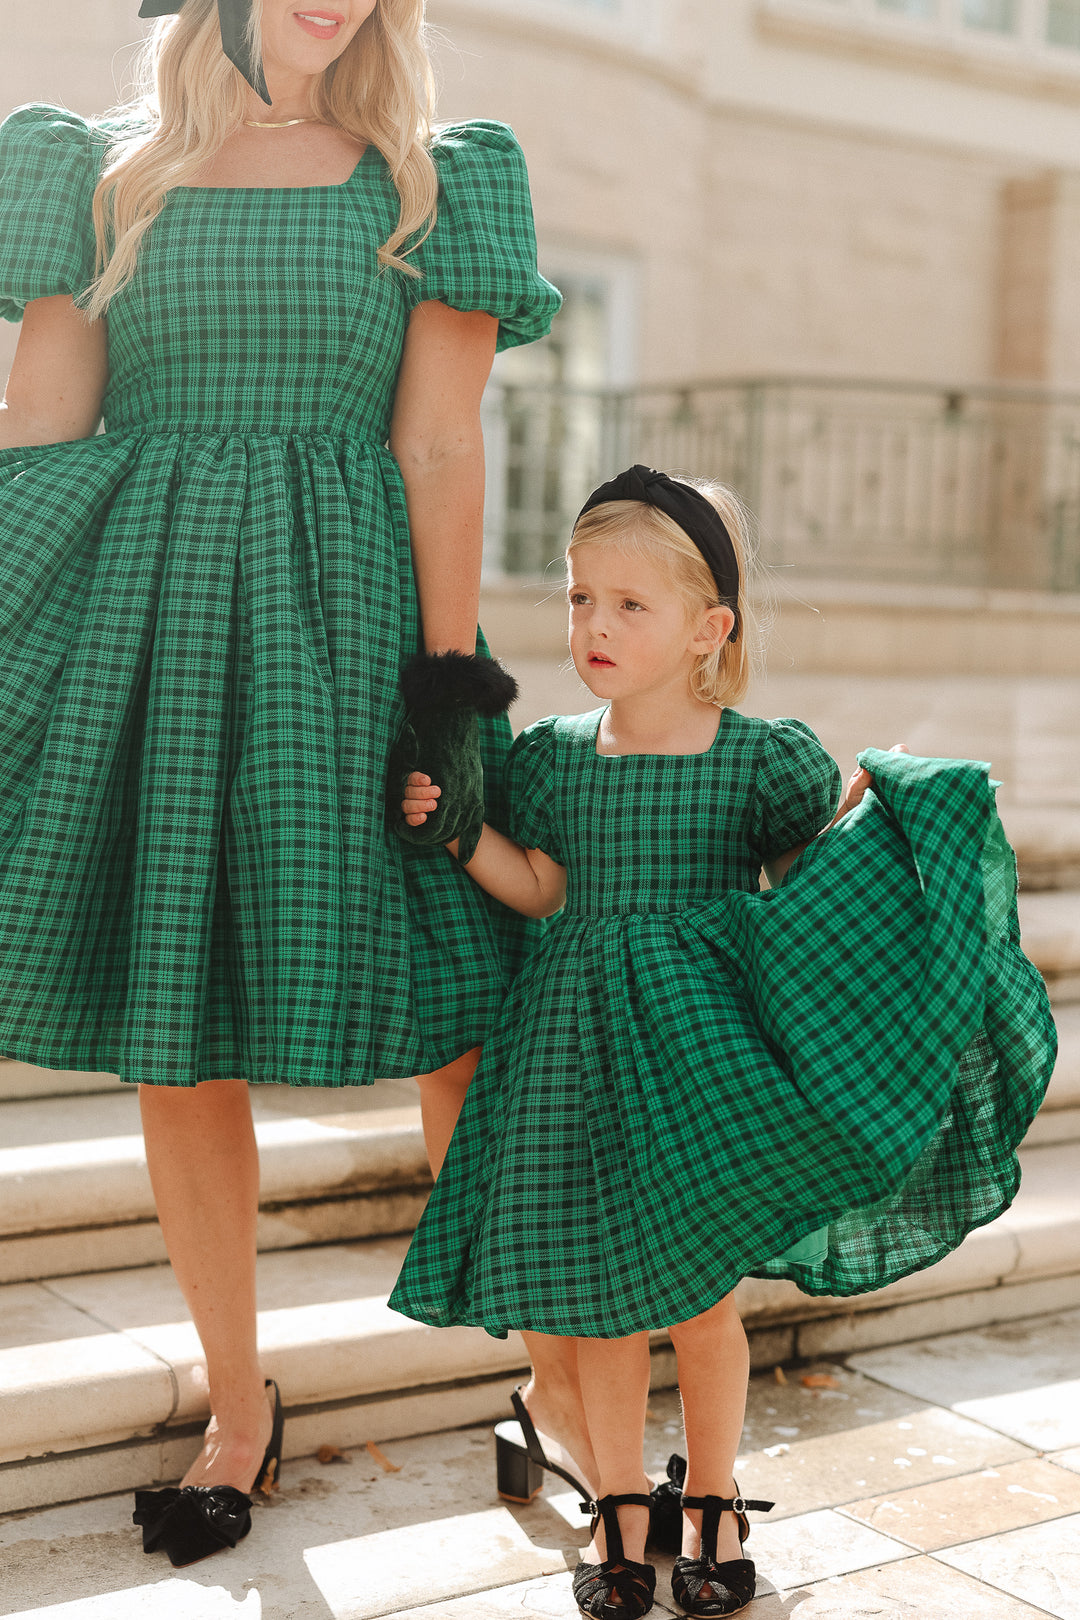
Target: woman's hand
[{"x": 421, "y": 797}]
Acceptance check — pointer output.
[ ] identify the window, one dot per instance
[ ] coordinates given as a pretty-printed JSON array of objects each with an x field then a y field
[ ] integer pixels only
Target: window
[
  {"x": 1063, "y": 23},
  {"x": 996, "y": 16},
  {"x": 546, "y": 411},
  {"x": 910, "y": 8},
  {"x": 1030, "y": 26}
]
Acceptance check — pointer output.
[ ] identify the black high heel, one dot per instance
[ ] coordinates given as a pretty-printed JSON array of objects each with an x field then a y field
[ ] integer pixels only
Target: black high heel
[
  {"x": 520, "y": 1460},
  {"x": 618, "y": 1576},
  {"x": 733, "y": 1582},
  {"x": 194, "y": 1521}
]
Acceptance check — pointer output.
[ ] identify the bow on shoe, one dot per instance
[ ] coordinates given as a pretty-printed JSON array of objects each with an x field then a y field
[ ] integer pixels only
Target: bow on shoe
[
  {"x": 666, "y": 1516},
  {"x": 192, "y": 1522}
]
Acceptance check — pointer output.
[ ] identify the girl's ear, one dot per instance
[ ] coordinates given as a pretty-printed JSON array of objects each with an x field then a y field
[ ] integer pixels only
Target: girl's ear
[{"x": 714, "y": 627}]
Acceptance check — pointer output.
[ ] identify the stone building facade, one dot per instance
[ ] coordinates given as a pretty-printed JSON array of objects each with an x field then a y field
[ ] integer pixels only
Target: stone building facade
[{"x": 873, "y": 188}]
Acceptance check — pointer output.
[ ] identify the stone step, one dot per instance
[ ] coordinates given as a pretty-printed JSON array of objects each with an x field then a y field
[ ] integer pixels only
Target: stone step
[
  {"x": 1050, "y": 930},
  {"x": 100, "y": 1386},
  {"x": 75, "y": 1195}
]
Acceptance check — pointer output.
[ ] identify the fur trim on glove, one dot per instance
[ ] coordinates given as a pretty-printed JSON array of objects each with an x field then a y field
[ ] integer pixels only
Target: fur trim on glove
[{"x": 434, "y": 682}]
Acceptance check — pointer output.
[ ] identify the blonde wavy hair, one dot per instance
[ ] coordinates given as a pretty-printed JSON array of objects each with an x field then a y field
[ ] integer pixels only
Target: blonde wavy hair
[
  {"x": 723, "y": 675},
  {"x": 381, "y": 90}
]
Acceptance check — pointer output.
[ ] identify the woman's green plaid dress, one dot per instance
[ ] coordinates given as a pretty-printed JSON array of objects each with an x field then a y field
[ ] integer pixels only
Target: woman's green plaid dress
[
  {"x": 691, "y": 1076},
  {"x": 203, "y": 613}
]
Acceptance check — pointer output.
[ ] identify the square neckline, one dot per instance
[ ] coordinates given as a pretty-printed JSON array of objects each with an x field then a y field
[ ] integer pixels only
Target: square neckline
[
  {"x": 699, "y": 753},
  {"x": 338, "y": 185}
]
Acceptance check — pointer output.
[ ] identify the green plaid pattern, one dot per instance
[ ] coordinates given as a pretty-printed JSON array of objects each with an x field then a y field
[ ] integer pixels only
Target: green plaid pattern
[
  {"x": 202, "y": 617},
  {"x": 691, "y": 1076}
]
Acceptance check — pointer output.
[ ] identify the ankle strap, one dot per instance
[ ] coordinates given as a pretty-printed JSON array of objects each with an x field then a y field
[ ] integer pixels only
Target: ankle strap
[
  {"x": 713, "y": 1506},
  {"x": 605, "y": 1508},
  {"x": 729, "y": 1504}
]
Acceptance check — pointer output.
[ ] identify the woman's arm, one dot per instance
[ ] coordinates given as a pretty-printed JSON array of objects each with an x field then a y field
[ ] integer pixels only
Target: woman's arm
[
  {"x": 525, "y": 879},
  {"x": 58, "y": 376},
  {"x": 436, "y": 439}
]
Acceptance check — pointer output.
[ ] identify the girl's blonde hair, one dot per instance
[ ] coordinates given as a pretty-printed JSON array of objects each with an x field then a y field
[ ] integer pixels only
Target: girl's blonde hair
[
  {"x": 381, "y": 90},
  {"x": 723, "y": 675}
]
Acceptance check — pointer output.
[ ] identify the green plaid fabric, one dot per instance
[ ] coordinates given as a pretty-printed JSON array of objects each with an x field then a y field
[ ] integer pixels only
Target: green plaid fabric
[
  {"x": 691, "y": 1076},
  {"x": 202, "y": 617}
]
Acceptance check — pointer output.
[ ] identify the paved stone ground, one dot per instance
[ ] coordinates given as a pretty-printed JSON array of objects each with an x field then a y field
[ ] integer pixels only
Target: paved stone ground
[{"x": 938, "y": 1479}]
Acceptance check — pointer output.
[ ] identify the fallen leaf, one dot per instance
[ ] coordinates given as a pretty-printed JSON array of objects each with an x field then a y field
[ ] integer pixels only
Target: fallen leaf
[
  {"x": 382, "y": 1459},
  {"x": 331, "y": 1454},
  {"x": 269, "y": 1482},
  {"x": 779, "y": 1375},
  {"x": 819, "y": 1381}
]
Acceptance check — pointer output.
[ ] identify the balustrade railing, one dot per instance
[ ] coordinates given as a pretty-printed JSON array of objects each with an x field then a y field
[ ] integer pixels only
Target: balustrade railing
[{"x": 869, "y": 481}]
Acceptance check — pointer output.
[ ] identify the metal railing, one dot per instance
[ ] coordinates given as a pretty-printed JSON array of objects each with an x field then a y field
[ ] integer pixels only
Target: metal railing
[{"x": 871, "y": 481}]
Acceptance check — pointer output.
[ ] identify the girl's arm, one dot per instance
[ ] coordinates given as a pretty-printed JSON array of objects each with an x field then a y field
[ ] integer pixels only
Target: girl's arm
[
  {"x": 436, "y": 440},
  {"x": 857, "y": 784},
  {"x": 58, "y": 376},
  {"x": 525, "y": 879}
]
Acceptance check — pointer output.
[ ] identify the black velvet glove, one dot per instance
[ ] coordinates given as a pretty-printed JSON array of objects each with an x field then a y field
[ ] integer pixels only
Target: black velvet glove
[{"x": 445, "y": 693}]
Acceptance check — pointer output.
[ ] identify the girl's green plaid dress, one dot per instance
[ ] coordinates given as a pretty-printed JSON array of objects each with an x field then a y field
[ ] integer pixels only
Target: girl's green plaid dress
[
  {"x": 691, "y": 1076},
  {"x": 203, "y": 613}
]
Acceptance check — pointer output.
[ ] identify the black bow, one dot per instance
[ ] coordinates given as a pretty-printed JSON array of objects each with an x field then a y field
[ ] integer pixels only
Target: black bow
[
  {"x": 192, "y": 1522},
  {"x": 234, "y": 17}
]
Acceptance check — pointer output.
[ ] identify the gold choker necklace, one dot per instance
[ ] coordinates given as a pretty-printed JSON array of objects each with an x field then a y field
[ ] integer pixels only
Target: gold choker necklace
[{"x": 286, "y": 123}]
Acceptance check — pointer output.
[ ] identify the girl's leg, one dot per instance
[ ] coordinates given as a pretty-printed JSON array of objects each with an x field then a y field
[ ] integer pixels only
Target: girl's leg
[
  {"x": 204, "y": 1169},
  {"x": 615, "y": 1390},
  {"x": 714, "y": 1367},
  {"x": 553, "y": 1394}
]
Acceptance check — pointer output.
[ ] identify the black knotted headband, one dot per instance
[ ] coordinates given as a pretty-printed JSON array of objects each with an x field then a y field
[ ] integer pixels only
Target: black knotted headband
[
  {"x": 234, "y": 17},
  {"x": 696, "y": 516}
]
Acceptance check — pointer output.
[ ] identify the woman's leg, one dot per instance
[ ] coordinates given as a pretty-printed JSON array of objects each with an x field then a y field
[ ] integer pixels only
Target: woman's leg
[
  {"x": 204, "y": 1169},
  {"x": 714, "y": 1367},
  {"x": 615, "y": 1391},
  {"x": 442, "y": 1093},
  {"x": 553, "y": 1393}
]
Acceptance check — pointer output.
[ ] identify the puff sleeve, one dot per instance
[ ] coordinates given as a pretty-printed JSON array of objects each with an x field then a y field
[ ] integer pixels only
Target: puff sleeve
[
  {"x": 530, "y": 790},
  {"x": 48, "y": 172},
  {"x": 798, "y": 788},
  {"x": 481, "y": 253}
]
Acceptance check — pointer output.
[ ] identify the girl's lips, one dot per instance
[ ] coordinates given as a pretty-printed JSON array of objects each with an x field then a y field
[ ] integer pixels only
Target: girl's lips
[
  {"x": 322, "y": 24},
  {"x": 600, "y": 661}
]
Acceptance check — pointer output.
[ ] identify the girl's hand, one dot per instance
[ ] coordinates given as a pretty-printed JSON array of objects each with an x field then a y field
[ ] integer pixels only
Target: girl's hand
[
  {"x": 859, "y": 781},
  {"x": 421, "y": 797}
]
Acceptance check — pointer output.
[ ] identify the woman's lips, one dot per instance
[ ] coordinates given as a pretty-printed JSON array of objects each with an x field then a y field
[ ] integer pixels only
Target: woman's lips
[{"x": 321, "y": 24}]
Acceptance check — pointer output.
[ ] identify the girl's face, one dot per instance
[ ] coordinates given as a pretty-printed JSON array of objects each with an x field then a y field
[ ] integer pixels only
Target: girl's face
[
  {"x": 631, "y": 633},
  {"x": 305, "y": 39}
]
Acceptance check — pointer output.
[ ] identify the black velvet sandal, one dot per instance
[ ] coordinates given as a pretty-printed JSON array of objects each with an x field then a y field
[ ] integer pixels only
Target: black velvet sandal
[
  {"x": 194, "y": 1521},
  {"x": 633, "y": 1586},
  {"x": 731, "y": 1584},
  {"x": 520, "y": 1459}
]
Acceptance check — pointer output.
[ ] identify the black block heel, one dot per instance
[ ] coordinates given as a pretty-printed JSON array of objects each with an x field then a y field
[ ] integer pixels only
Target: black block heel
[
  {"x": 517, "y": 1477},
  {"x": 520, "y": 1459}
]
